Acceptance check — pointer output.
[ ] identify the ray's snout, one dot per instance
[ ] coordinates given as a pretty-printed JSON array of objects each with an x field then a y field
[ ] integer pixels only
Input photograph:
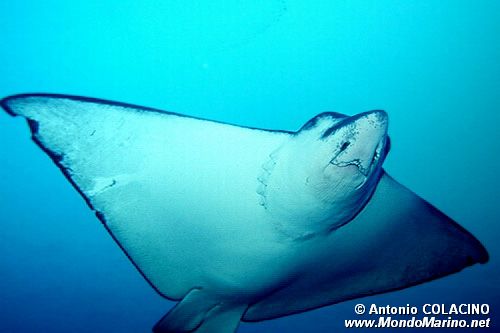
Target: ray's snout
[{"x": 373, "y": 122}]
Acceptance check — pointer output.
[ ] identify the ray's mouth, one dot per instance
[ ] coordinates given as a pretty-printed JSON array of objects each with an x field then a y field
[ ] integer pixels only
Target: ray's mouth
[
  {"x": 366, "y": 166},
  {"x": 377, "y": 154}
]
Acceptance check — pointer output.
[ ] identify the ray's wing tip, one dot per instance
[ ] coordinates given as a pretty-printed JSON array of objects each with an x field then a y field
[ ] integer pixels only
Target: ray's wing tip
[
  {"x": 7, "y": 102},
  {"x": 476, "y": 251},
  {"x": 482, "y": 256}
]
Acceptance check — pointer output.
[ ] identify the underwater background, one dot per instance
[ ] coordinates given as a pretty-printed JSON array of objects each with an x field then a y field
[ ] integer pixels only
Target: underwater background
[{"x": 434, "y": 66}]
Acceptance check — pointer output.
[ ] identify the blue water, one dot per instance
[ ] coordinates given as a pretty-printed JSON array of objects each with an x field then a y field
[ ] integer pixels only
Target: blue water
[{"x": 432, "y": 65}]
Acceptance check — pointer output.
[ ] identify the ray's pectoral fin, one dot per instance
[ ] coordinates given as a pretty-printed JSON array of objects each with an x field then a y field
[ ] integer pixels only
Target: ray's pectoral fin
[
  {"x": 436, "y": 244},
  {"x": 198, "y": 312},
  {"x": 397, "y": 241}
]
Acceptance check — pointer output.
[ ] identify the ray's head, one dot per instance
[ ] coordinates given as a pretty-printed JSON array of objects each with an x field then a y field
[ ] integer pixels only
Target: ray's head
[
  {"x": 348, "y": 151},
  {"x": 345, "y": 158},
  {"x": 330, "y": 168}
]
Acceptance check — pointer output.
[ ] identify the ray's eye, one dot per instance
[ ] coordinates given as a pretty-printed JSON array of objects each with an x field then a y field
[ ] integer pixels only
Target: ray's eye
[{"x": 344, "y": 146}]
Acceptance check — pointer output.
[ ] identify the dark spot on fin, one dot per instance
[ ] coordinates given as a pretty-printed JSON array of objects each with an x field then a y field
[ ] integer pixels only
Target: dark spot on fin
[
  {"x": 33, "y": 125},
  {"x": 113, "y": 183},
  {"x": 100, "y": 216}
]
